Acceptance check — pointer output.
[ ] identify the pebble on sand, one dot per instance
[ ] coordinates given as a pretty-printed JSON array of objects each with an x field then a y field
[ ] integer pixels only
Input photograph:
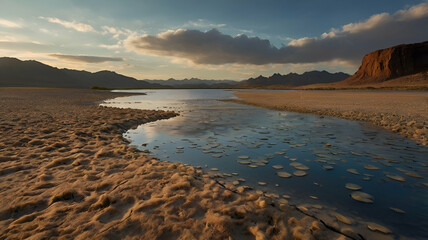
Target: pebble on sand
[
  {"x": 300, "y": 173},
  {"x": 355, "y": 153},
  {"x": 371, "y": 167},
  {"x": 413, "y": 174},
  {"x": 376, "y": 227},
  {"x": 302, "y": 208},
  {"x": 327, "y": 167},
  {"x": 353, "y": 171},
  {"x": 272, "y": 195},
  {"x": 362, "y": 197},
  {"x": 244, "y": 162},
  {"x": 283, "y": 174},
  {"x": 396, "y": 177},
  {"x": 352, "y": 186},
  {"x": 301, "y": 167},
  {"x": 277, "y": 167},
  {"x": 343, "y": 219},
  {"x": 397, "y": 210}
]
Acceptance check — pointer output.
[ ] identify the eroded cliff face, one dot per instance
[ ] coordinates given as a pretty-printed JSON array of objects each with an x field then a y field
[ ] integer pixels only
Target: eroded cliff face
[{"x": 386, "y": 64}]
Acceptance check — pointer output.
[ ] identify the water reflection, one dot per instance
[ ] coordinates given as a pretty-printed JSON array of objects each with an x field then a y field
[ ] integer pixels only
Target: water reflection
[{"x": 254, "y": 144}]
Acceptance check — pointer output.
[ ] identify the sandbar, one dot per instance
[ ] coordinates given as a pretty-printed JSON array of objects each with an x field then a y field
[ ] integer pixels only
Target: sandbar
[{"x": 404, "y": 112}]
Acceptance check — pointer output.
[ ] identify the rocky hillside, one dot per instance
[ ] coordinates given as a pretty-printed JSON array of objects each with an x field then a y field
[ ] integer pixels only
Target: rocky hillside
[{"x": 395, "y": 62}]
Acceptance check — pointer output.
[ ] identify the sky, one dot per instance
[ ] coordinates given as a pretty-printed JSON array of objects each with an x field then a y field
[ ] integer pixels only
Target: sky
[{"x": 218, "y": 39}]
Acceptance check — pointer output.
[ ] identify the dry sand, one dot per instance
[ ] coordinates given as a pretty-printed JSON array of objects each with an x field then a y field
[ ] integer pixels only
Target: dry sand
[
  {"x": 402, "y": 112},
  {"x": 66, "y": 172}
]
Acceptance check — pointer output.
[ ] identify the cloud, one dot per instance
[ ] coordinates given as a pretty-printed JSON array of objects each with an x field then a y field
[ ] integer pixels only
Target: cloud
[
  {"x": 86, "y": 59},
  {"x": 348, "y": 44},
  {"x": 211, "y": 47},
  {"x": 202, "y": 23},
  {"x": 13, "y": 44},
  {"x": 116, "y": 32},
  {"x": 80, "y": 27},
  {"x": 114, "y": 46},
  {"x": 9, "y": 24},
  {"x": 7, "y": 38}
]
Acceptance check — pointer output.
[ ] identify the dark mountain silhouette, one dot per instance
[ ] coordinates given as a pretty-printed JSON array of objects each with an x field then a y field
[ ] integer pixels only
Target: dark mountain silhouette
[
  {"x": 391, "y": 63},
  {"x": 294, "y": 79},
  {"x": 17, "y": 73},
  {"x": 195, "y": 83}
]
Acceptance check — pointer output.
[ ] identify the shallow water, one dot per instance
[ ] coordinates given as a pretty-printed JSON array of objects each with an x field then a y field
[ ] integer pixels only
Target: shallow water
[{"x": 217, "y": 134}]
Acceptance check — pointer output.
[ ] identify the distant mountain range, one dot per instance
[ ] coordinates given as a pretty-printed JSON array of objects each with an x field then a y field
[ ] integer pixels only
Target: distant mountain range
[
  {"x": 194, "y": 83},
  {"x": 294, "y": 79},
  {"x": 17, "y": 73}
]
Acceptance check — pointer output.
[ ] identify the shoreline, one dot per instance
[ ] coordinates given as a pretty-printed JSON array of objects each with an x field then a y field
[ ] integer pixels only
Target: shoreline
[
  {"x": 67, "y": 172},
  {"x": 408, "y": 117}
]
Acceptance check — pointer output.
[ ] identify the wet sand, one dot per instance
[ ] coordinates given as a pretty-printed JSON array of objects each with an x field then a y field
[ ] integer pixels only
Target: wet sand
[
  {"x": 403, "y": 112},
  {"x": 66, "y": 172}
]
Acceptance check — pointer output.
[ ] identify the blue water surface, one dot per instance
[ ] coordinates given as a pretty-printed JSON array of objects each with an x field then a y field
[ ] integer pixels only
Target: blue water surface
[{"x": 217, "y": 134}]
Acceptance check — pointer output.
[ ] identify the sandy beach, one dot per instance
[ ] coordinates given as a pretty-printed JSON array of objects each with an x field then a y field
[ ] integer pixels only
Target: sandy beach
[
  {"x": 66, "y": 172},
  {"x": 403, "y": 112}
]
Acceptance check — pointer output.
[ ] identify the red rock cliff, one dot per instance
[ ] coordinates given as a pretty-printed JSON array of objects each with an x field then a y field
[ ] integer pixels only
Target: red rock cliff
[{"x": 386, "y": 64}]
